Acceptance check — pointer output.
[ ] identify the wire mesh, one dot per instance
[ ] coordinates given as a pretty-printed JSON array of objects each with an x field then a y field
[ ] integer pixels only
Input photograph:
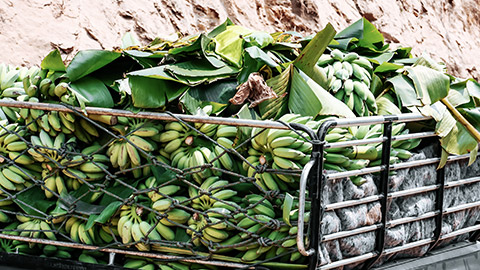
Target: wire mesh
[{"x": 174, "y": 191}]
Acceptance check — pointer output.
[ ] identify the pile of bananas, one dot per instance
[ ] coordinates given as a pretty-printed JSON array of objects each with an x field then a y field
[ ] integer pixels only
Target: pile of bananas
[
  {"x": 95, "y": 235},
  {"x": 51, "y": 153},
  {"x": 348, "y": 77},
  {"x": 124, "y": 154},
  {"x": 279, "y": 150},
  {"x": 133, "y": 229},
  {"x": 186, "y": 148},
  {"x": 35, "y": 228},
  {"x": 216, "y": 206}
]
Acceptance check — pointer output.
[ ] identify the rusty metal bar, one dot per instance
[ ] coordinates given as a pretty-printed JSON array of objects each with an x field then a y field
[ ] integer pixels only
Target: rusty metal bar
[
  {"x": 125, "y": 252},
  {"x": 148, "y": 115}
]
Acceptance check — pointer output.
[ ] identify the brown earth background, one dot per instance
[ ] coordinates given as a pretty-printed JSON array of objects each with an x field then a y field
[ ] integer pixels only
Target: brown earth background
[{"x": 447, "y": 30}]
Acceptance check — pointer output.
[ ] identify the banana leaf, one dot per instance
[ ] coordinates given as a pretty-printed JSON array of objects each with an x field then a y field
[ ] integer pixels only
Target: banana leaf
[
  {"x": 129, "y": 40},
  {"x": 86, "y": 62},
  {"x": 405, "y": 90},
  {"x": 307, "y": 60},
  {"x": 430, "y": 85},
  {"x": 259, "y": 39},
  {"x": 320, "y": 101},
  {"x": 229, "y": 44},
  {"x": 53, "y": 61},
  {"x": 216, "y": 94},
  {"x": 33, "y": 201},
  {"x": 280, "y": 85},
  {"x": 93, "y": 92},
  {"x": 361, "y": 34},
  {"x": 254, "y": 59},
  {"x": 152, "y": 92}
]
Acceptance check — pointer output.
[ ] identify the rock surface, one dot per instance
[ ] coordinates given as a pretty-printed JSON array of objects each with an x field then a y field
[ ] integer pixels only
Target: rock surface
[{"x": 445, "y": 29}]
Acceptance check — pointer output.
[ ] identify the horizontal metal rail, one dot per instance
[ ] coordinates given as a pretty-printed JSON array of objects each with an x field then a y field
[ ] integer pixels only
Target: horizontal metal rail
[
  {"x": 420, "y": 135},
  {"x": 372, "y": 120},
  {"x": 148, "y": 115},
  {"x": 343, "y": 234},
  {"x": 125, "y": 252},
  {"x": 394, "y": 250},
  {"x": 393, "y": 167},
  {"x": 402, "y": 193},
  {"x": 350, "y": 203},
  {"x": 400, "y": 221}
]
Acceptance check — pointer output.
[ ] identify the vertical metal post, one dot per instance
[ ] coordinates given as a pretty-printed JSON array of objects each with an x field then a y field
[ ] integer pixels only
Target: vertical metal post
[
  {"x": 383, "y": 187},
  {"x": 439, "y": 197},
  {"x": 316, "y": 186}
]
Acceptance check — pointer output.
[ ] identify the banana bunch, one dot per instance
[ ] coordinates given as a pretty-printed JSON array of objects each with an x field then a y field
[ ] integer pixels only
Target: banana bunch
[
  {"x": 92, "y": 257},
  {"x": 14, "y": 246},
  {"x": 54, "y": 122},
  {"x": 341, "y": 159},
  {"x": 51, "y": 151},
  {"x": 279, "y": 150},
  {"x": 139, "y": 263},
  {"x": 133, "y": 230},
  {"x": 12, "y": 144},
  {"x": 56, "y": 252},
  {"x": 76, "y": 229},
  {"x": 270, "y": 249},
  {"x": 124, "y": 154},
  {"x": 188, "y": 149},
  {"x": 348, "y": 78},
  {"x": 11, "y": 86},
  {"x": 373, "y": 152},
  {"x": 217, "y": 205},
  {"x": 35, "y": 228}
]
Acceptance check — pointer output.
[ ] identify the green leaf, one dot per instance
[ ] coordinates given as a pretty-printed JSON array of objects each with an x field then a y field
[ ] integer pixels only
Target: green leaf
[
  {"x": 320, "y": 102},
  {"x": 105, "y": 215},
  {"x": 221, "y": 28},
  {"x": 245, "y": 133},
  {"x": 33, "y": 201},
  {"x": 148, "y": 92},
  {"x": 459, "y": 141},
  {"x": 216, "y": 94},
  {"x": 430, "y": 85},
  {"x": 458, "y": 94},
  {"x": 287, "y": 207},
  {"x": 129, "y": 40},
  {"x": 307, "y": 60},
  {"x": 405, "y": 90},
  {"x": 473, "y": 88},
  {"x": 199, "y": 68},
  {"x": 259, "y": 39},
  {"x": 229, "y": 44},
  {"x": 280, "y": 85},
  {"x": 154, "y": 73},
  {"x": 364, "y": 34},
  {"x": 386, "y": 107},
  {"x": 382, "y": 58},
  {"x": 92, "y": 92},
  {"x": 53, "y": 61},
  {"x": 86, "y": 62},
  {"x": 387, "y": 67},
  {"x": 472, "y": 115}
]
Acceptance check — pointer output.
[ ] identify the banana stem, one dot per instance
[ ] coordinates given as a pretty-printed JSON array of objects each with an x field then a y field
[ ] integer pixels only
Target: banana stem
[{"x": 473, "y": 131}]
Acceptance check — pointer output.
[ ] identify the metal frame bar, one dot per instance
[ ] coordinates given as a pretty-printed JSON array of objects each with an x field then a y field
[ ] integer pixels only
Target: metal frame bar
[
  {"x": 383, "y": 187},
  {"x": 122, "y": 251},
  {"x": 439, "y": 197},
  {"x": 146, "y": 115},
  {"x": 384, "y": 196}
]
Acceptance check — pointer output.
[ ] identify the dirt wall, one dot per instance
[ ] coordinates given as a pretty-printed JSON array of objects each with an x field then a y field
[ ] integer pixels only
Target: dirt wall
[{"x": 448, "y": 30}]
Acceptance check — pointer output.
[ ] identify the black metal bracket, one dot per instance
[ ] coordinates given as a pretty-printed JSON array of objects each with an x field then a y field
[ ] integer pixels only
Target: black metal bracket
[
  {"x": 383, "y": 187},
  {"x": 439, "y": 197},
  {"x": 316, "y": 185}
]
